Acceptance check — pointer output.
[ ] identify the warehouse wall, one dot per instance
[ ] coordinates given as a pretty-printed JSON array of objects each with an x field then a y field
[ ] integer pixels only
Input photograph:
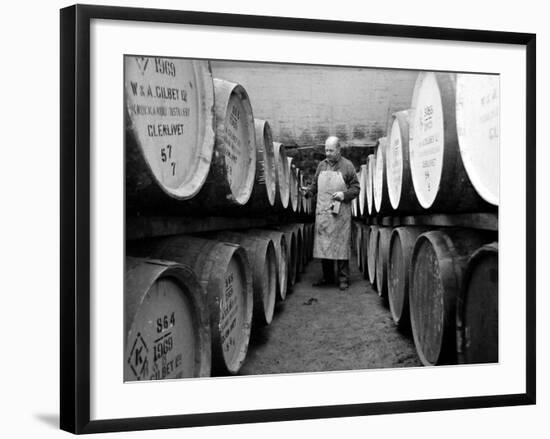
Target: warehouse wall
[{"x": 305, "y": 104}]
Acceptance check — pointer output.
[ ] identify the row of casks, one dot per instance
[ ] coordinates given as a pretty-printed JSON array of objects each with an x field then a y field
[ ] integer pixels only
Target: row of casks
[
  {"x": 441, "y": 284},
  {"x": 439, "y": 156},
  {"x": 191, "y": 302},
  {"x": 193, "y": 145}
]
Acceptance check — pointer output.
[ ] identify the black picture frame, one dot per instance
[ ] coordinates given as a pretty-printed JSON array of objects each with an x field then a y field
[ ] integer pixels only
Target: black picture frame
[{"x": 75, "y": 217}]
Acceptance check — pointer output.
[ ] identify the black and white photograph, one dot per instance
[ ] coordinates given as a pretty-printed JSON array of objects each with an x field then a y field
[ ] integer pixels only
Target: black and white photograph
[{"x": 292, "y": 218}]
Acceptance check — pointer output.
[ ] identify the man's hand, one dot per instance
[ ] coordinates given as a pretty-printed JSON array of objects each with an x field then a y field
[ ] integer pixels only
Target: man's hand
[{"x": 338, "y": 196}]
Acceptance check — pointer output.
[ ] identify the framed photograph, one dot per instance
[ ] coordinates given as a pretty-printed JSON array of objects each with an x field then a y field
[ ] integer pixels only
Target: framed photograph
[{"x": 275, "y": 218}]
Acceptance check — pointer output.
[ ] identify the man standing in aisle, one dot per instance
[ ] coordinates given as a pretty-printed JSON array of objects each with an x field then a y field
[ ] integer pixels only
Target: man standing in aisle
[{"x": 335, "y": 184}]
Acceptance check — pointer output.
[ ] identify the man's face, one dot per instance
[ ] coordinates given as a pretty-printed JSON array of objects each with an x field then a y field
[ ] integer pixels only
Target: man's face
[{"x": 332, "y": 152}]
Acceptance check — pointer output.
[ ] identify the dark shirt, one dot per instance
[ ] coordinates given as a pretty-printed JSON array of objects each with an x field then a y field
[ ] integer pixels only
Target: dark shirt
[{"x": 345, "y": 167}]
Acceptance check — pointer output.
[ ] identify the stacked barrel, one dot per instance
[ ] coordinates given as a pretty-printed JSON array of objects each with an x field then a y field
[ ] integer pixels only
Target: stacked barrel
[
  {"x": 438, "y": 162},
  {"x": 193, "y": 146},
  {"x": 194, "y": 149}
]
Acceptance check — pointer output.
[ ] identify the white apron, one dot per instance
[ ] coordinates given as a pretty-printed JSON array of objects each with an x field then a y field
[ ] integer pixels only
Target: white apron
[{"x": 332, "y": 232}]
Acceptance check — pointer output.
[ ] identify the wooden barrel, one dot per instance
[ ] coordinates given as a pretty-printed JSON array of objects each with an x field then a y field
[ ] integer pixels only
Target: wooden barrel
[
  {"x": 303, "y": 233},
  {"x": 365, "y": 250},
  {"x": 292, "y": 247},
  {"x": 438, "y": 264},
  {"x": 265, "y": 183},
  {"x": 281, "y": 252},
  {"x": 308, "y": 241},
  {"x": 401, "y": 247},
  {"x": 358, "y": 244},
  {"x": 263, "y": 260},
  {"x": 380, "y": 185},
  {"x": 439, "y": 178},
  {"x": 299, "y": 251},
  {"x": 165, "y": 322},
  {"x": 299, "y": 178},
  {"x": 311, "y": 231},
  {"x": 398, "y": 170},
  {"x": 478, "y": 129},
  {"x": 297, "y": 238},
  {"x": 233, "y": 169},
  {"x": 293, "y": 185},
  {"x": 382, "y": 259},
  {"x": 312, "y": 238},
  {"x": 303, "y": 199},
  {"x": 305, "y": 243},
  {"x": 371, "y": 260},
  {"x": 283, "y": 176},
  {"x": 477, "y": 308},
  {"x": 361, "y": 198},
  {"x": 169, "y": 127},
  {"x": 353, "y": 235},
  {"x": 224, "y": 272},
  {"x": 371, "y": 161}
]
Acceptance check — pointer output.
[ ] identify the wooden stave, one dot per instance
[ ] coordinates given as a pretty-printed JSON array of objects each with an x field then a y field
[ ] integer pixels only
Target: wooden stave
[
  {"x": 202, "y": 255},
  {"x": 399, "y": 300},
  {"x": 382, "y": 259},
  {"x": 465, "y": 354},
  {"x": 456, "y": 193},
  {"x": 451, "y": 268},
  {"x": 136, "y": 291}
]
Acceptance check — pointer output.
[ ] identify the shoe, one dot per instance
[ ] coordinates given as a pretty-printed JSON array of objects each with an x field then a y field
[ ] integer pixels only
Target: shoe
[
  {"x": 321, "y": 283},
  {"x": 344, "y": 286}
]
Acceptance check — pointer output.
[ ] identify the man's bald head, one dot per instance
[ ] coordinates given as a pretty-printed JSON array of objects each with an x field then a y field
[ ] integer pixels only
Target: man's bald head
[
  {"x": 332, "y": 149},
  {"x": 332, "y": 141}
]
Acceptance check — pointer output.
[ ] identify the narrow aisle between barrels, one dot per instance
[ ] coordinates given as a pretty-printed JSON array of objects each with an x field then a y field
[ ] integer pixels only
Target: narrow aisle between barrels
[{"x": 325, "y": 329}]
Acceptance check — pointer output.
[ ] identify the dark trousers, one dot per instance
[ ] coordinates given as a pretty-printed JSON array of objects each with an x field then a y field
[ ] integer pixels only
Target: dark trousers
[{"x": 342, "y": 270}]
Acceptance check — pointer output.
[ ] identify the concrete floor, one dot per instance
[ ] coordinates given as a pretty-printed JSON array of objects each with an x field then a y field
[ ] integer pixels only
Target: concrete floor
[{"x": 325, "y": 329}]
